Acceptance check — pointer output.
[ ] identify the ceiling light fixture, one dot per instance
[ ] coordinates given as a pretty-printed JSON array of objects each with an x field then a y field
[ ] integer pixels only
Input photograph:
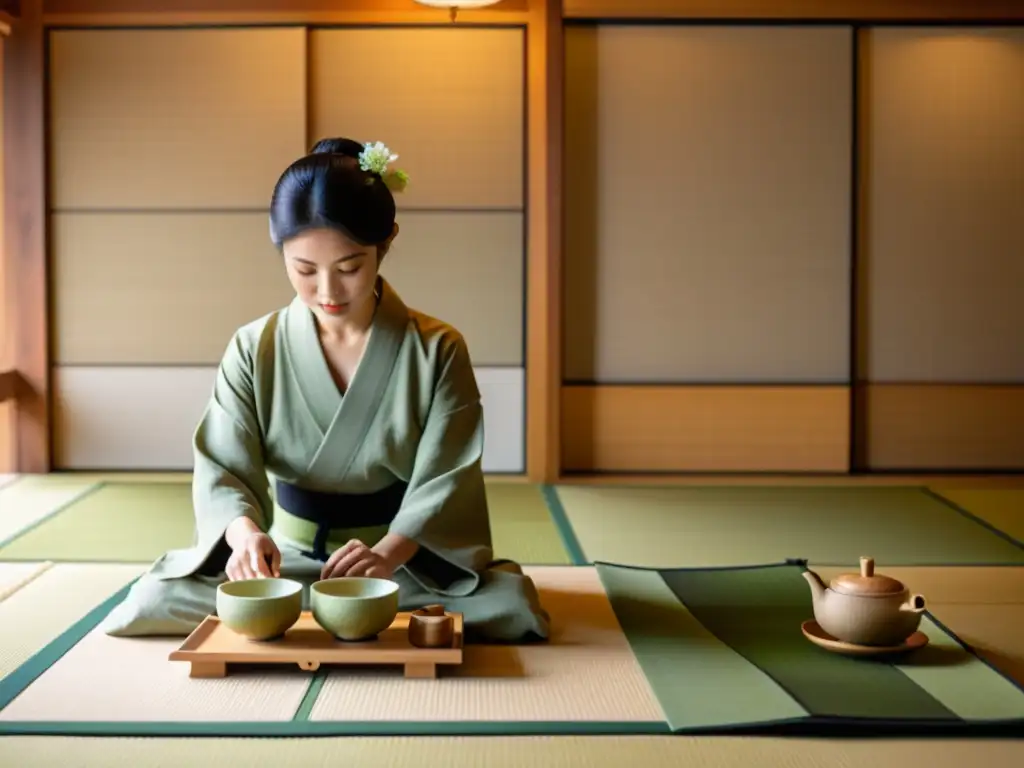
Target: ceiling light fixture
[{"x": 454, "y": 6}]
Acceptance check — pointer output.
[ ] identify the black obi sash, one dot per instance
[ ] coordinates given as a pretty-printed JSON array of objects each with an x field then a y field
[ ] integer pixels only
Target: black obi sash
[{"x": 333, "y": 511}]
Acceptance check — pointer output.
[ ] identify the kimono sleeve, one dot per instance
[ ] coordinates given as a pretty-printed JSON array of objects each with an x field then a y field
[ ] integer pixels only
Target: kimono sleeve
[
  {"x": 445, "y": 505},
  {"x": 230, "y": 478}
]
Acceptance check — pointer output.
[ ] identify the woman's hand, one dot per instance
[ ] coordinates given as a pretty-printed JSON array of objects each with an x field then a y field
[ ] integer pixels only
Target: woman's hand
[
  {"x": 356, "y": 559},
  {"x": 257, "y": 556}
]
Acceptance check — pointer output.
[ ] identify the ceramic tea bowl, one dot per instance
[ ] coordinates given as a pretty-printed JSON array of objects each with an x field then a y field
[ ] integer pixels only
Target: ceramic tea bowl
[
  {"x": 354, "y": 608},
  {"x": 259, "y": 609}
]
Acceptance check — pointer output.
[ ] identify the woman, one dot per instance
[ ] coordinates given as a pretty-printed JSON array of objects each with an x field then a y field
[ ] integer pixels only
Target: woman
[{"x": 366, "y": 413}]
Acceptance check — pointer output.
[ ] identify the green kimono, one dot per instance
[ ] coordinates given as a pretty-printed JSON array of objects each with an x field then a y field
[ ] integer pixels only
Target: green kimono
[{"x": 409, "y": 428}]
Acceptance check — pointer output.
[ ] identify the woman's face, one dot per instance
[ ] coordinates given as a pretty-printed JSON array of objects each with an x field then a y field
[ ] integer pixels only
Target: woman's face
[{"x": 333, "y": 276}]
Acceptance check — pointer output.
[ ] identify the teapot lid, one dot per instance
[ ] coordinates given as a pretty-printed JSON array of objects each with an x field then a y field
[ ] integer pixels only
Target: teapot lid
[{"x": 866, "y": 582}]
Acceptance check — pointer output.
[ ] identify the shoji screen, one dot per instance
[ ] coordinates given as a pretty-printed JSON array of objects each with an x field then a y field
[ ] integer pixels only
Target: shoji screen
[
  {"x": 941, "y": 272},
  {"x": 707, "y": 304},
  {"x": 450, "y": 103},
  {"x": 165, "y": 145}
]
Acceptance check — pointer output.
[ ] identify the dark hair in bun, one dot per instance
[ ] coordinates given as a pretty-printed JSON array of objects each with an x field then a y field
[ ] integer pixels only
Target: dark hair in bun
[{"x": 328, "y": 188}]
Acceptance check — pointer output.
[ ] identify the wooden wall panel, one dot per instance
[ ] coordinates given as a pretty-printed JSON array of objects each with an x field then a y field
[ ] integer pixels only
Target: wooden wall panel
[
  {"x": 184, "y": 118},
  {"x": 943, "y": 427},
  {"x": 448, "y": 101},
  {"x": 651, "y": 429},
  {"x": 940, "y": 271},
  {"x": 708, "y": 204}
]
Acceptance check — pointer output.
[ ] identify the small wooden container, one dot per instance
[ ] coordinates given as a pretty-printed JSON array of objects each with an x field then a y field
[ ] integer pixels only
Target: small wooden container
[{"x": 431, "y": 627}]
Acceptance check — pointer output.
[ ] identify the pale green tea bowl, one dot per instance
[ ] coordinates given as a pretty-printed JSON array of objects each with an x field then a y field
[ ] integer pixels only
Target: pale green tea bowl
[
  {"x": 260, "y": 609},
  {"x": 354, "y": 608}
]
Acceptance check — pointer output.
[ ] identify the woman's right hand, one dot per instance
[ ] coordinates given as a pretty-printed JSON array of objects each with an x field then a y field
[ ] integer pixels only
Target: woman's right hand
[{"x": 256, "y": 556}]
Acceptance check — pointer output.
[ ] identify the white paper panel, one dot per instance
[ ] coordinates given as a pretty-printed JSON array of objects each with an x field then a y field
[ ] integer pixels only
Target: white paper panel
[
  {"x": 139, "y": 418},
  {"x": 174, "y": 118}
]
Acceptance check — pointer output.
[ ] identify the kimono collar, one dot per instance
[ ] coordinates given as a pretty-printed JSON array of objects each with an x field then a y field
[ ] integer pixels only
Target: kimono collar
[{"x": 312, "y": 374}]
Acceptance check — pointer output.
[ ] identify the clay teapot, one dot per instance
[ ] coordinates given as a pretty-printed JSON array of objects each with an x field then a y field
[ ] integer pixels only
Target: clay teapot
[{"x": 864, "y": 608}]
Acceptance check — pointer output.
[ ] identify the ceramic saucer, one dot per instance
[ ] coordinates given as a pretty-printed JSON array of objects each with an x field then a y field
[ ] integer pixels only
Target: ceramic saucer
[{"x": 823, "y": 639}]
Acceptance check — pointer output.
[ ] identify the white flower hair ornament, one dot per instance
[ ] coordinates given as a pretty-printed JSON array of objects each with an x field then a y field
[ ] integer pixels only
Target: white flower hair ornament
[{"x": 376, "y": 158}]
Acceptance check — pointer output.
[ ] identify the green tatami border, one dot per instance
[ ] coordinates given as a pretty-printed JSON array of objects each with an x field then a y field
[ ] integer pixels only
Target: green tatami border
[
  {"x": 563, "y": 525},
  {"x": 294, "y": 728},
  {"x": 939, "y": 497}
]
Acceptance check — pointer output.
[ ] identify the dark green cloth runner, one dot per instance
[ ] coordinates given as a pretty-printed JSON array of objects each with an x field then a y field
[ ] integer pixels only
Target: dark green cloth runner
[
  {"x": 723, "y": 651},
  {"x": 758, "y": 612}
]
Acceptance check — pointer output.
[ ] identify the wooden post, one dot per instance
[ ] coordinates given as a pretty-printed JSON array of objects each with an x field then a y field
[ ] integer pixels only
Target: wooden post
[
  {"x": 26, "y": 317},
  {"x": 7, "y": 374},
  {"x": 545, "y": 101}
]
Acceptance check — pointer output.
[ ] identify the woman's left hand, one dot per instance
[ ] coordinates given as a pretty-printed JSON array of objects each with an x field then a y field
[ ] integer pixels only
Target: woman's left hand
[{"x": 356, "y": 559}]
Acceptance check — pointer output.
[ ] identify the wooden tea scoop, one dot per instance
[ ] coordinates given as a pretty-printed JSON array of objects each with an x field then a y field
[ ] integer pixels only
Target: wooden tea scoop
[{"x": 430, "y": 627}]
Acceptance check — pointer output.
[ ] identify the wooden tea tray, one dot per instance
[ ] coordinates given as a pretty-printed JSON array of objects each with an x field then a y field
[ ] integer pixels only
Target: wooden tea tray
[{"x": 212, "y": 647}]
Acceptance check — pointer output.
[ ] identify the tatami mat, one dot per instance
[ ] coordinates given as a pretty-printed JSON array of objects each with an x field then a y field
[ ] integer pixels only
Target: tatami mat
[
  {"x": 13, "y": 576},
  {"x": 983, "y": 605},
  {"x": 506, "y": 752},
  {"x": 45, "y": 607},
  {"x": 33, "y": 498},
  {"x": 140, "y": 520},
  {"x": 130, "y": 679},
  {"x": 115, "y": 523},
  {"x": 521, "y": 525},
  {"x": 996, "y": 632},
  {"x": 1001, "y": 508},
  {"x": 711, "y": 526},
  {"x": 133, "y": 477},
  {"x": 586, "y": 672}
]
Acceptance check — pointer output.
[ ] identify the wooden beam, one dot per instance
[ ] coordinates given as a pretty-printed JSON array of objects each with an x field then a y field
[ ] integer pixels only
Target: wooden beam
[
  {"x": 799, "y": 10},
  {"x": 87, "y": 13},
  {"x": 255, "y": 6},
  {"x": 545, "y": 107},
  {"x": 24, "y": 247}
]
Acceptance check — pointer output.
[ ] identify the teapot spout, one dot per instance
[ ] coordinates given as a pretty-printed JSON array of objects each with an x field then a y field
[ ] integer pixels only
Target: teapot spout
[
  {"x": 915, "y": 604},
  {"x": 817, "y": 585}
]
